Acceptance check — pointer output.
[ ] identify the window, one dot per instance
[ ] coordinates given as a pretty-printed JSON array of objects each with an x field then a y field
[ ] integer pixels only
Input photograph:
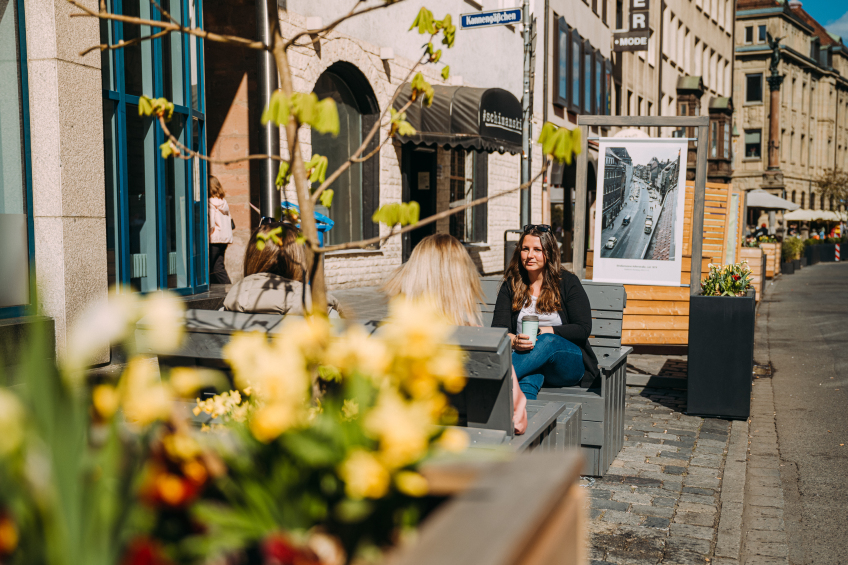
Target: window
[
  {"x": 562, "y": 66},
  {"x": 753, "y": 144},
  {"x": 355, "y": 194},
  {"x": 714, "y": 140},
  {"x": 793, "y": 197},
  {"x": 754, "y": 88},
  {"x": 749, "y": 34},
  {"x": 761, "y": 34},
  {"x": 639, "y": 106},
  {"x": 587, "y": 78},
  {"x": 803, "y": 197},
  {"x": 468, "y": 178},
  {"x": 574, "y": 72},
  {"x": 630, "y": 111},
  {"x": 16, "y": 229},
  {"x": 618, "y": 100},
  {"x": 726, "y": 127},
  {"x": 600, "y": 103},
  {"x": 619, "y": 14},
  {"x": 156, "y": 210}
]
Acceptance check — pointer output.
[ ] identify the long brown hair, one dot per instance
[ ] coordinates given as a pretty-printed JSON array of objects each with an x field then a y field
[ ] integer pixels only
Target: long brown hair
[
  {"x": 441, "y": 270},
  {"x": 519, "y": 282},
  {"x": 286, "y": 259},
  {"x": 216, "y": 189}
]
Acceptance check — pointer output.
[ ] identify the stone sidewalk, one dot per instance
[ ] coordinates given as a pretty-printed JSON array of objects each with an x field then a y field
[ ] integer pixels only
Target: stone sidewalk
[{"x": 661, "y": 500}]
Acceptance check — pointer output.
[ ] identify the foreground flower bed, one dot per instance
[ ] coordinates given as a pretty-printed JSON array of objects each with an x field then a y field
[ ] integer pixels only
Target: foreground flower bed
[{"x": 314, "y": 456}]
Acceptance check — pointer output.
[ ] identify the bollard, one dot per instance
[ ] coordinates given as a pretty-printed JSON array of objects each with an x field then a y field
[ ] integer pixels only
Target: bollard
[{"x": 837, "y": 252}]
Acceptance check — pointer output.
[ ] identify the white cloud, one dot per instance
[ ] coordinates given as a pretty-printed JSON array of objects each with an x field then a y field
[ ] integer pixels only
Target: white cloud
[{"x": 839, "y": 27}]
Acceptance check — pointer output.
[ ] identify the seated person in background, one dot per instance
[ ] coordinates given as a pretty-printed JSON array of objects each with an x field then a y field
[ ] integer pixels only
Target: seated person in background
[
  {"x": 536, "y": 284},
  {"x": 441, "y": 269},
  {"x": 272, "y": 277}
]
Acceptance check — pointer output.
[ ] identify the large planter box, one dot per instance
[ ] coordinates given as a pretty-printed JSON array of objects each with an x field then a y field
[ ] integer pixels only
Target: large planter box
[
  {"x": 721, "y": 356},
  {"x": 787, "y": 268},
  {"x": 813, "y": 255},
  {"x": 772, "y": 252},
  {"x": 757, "y": 263},
  {"x": 797, "y": 264},
  {"x": 803, "y": 261},
  {"x": 827, "y": 252}
]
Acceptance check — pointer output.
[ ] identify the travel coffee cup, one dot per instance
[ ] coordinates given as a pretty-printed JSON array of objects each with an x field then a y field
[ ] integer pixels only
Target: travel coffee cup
[{"x": 530, "y": 327}]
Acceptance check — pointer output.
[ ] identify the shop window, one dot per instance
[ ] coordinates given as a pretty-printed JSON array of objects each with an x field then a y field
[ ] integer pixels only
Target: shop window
[
  {"x": 16, "y": 252},
  {"x": 468, "y": 181},
  {"x": 753, "y": 144},
  {"x": 754, "y": 88},
  {"x": 156, "y": 210},
  {"x": 356, "y": 190}
]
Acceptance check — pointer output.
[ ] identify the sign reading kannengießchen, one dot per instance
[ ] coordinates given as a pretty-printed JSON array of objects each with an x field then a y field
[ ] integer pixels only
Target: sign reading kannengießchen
[{"x": 510, "y": 16}]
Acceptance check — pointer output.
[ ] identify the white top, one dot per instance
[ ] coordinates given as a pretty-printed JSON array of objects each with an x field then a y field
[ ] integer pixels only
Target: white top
[{"x": 545, "y": 320}]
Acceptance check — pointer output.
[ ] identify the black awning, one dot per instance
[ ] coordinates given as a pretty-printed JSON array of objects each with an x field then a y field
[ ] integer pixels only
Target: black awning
[{"x": 484, "y": 119}]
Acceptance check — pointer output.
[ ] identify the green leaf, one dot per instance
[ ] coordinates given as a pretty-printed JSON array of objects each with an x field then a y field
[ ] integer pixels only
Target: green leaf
[
  {"x": 260, "y": 244},
  {"x": 449, "y": 32},
  {"x": 546, "y": 138},
  {"x": 405, "y": 128},
  {"x": 424, "y": 22},
  {"x": 352, "y": 511},
  {"x": 278, "y": 109},
  {"x": 411, "y": 212},
  {"x": 300, "y": 239},
  {"x": 145, "y": 107},
  {"x": 317, "y": 168},
  {"x": 327, "y": 197},
  {"x": 283, "y": 174},
  {"x": 327, "y": 117},
  {"x": 436, "y": 56},
  {"x": 446, "y": 72},
  {"x": 305, "y": 107},
  {"x": 311, "y": 450},
  {"x": 166, "y": 149}
]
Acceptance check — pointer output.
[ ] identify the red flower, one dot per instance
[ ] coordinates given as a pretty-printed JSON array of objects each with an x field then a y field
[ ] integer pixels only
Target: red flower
[
  {"x": 278, "y": 550},
  {"x": 144, "y": 551},
  {"x": 736, "y": 277}
]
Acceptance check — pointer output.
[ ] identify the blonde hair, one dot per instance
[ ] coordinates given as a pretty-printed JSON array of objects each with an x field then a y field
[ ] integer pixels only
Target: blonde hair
[
  {"x": 441, "y": 270},
  {"x": 216, "y": 189}
]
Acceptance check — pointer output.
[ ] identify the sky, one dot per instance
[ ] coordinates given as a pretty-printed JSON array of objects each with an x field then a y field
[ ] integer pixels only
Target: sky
[
  {"x": 641, "y": 151},
  {"x": 832, "y": 14}
]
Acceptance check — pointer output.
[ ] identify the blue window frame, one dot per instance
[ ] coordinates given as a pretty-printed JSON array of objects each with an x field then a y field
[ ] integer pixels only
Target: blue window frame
[
  {"x": 156, "y": 211},
  {"x": 17, "y": 254}
]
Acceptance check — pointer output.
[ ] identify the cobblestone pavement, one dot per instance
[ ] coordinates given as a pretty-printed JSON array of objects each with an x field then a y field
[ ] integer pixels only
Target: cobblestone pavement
[
  {"x": 662, "y": 244},
  {"x": 660, "y": 501}
]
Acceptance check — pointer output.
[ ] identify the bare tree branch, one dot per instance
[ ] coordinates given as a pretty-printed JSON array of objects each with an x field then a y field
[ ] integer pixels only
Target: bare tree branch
[
  {"x": 331, "y": 26},
  {"x": 121, "y": 44},
  {"x": 187, "y": 153},
  {"x": 427, "y": 221},
  {"x": 168, "y": 26}
]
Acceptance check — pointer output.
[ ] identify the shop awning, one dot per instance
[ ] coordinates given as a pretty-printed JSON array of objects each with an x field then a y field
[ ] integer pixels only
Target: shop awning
[
  {"x": 484, "y": 119},
  {"x": 812, "y": 215},
  {"x": 762, "y": 199}
]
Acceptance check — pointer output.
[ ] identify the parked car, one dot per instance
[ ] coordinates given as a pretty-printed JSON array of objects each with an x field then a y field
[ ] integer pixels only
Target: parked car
[
  {"x": 626, "y": 220},
  {"x": 648, "y": 228},
  {"x": 611, "y": 242}
]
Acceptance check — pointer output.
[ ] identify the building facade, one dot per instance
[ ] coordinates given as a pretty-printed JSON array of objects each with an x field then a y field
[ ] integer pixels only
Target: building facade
[
  {"x": 617, "y": 173},
  {"x": 811, "y": 113}
]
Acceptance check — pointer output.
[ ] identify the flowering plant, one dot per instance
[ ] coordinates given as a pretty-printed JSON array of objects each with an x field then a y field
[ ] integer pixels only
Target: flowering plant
[
  {"x": 312, "y": 457},
  {"x": 731, "y": 280}
]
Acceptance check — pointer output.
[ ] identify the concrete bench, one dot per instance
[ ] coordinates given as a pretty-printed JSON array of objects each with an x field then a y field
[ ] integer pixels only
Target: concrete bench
[
  {"x": 485, "y": 404},
  {"x": 602, "y": 400}
]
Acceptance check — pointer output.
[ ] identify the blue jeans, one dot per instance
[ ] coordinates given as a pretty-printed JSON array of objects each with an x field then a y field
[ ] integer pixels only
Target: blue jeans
[{"x": 554, "y": 361}]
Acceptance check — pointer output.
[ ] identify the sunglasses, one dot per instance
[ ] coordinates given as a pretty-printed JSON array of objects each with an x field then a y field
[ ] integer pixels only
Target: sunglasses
[
  {"x": 538, "y": 227},
  {"x": 266, "y": 221}
]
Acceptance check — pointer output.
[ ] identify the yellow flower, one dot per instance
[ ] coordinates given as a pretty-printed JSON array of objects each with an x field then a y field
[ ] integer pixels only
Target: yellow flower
[
  {"x": 454, "y": 440},
  {"x": 11, "y": 422},
  {"x": 356, "y": 351},
  {"x": 271, "y": 420},
  {"x": 350, "y": 409},
  {"x": 219, "y": 405},
  {"x": 144, "y": 398},
  {"x": 415, "y": 327},
  {"x": 8, "y": 535},
  {"x": 411, "y": 483},
  {"x": 104, "y": 323},
  {"x": 187, "y": 380},
  {"x": 364, "y": 475},
  {"x": 310, "y": 336},
  {"x": 105, "y": 400},
  {"x": 181, "y": 447},
  {"x": 402, "y": 428},
  {"x": 275, "y": 371},
  {"x": 164, "y": 313}
]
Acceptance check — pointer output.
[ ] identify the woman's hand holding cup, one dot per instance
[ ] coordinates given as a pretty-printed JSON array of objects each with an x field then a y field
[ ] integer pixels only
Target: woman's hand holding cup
[{"x": 522, "y": 342}]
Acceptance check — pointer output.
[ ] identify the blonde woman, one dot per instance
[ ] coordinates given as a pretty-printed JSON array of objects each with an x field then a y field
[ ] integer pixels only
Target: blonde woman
[
  {"x": 441, "y": 269},
  {"x": 220, "y": 232}
]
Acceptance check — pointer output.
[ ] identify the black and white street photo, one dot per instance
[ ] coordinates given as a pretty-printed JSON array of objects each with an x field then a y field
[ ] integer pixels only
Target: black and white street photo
[{"x": 639, "y": 201}]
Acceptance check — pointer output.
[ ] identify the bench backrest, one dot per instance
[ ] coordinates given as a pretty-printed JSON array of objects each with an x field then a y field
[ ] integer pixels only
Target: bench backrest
[{"x": 607, "y": 301}]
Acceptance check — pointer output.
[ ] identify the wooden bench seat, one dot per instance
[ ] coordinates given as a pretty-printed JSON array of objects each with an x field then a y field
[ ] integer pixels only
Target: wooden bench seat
[{"x": 602, "y": 400}]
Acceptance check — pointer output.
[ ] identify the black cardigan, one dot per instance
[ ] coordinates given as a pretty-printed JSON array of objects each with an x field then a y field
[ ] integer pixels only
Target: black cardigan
[{"x": 576, "y": 315}]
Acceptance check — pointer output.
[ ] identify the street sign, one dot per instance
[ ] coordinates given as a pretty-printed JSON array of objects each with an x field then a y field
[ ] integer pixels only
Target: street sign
[
  {"x": 630, "y": 40},
  {"x": 510, "y": 16}
]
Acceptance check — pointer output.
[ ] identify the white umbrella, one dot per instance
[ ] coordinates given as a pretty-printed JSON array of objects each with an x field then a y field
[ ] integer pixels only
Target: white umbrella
[
  {"x": 812, "y": 215},
  {"x": 762, "y": 199}
]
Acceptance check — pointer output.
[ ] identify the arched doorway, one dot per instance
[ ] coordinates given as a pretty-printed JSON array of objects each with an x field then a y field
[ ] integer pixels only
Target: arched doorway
[{"x": 356, "y": 192}]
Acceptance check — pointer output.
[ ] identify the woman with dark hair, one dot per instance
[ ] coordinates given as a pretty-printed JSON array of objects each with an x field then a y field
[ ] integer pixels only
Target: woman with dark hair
[
  {"x": 273, "y": 271},
  {"x": 536, "y": 284}
]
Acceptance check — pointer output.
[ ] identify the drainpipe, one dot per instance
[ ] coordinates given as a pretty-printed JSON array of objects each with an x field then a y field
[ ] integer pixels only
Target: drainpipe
[
  {"x": 269, "y": 135},
  {"x": 527, "y": 113}
]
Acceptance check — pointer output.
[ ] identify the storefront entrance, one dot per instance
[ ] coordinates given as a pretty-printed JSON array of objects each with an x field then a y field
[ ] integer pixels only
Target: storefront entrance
[{"x": 418, "y": 168}]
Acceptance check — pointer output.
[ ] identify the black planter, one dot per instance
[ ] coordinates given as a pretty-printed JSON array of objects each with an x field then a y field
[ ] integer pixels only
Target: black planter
[
  {"x": 827, "y": 252},
  {"x": 813, "y": 255},
  {"x": 803, "y": 261},
  {"x": 797, "y": 263},
  {"x": 721, "y": 356},
  {"x": 788, "y": 268}
]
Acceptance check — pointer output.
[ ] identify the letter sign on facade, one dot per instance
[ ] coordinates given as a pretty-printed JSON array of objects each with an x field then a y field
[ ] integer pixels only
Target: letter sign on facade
[{"x": 636, "y": 39}]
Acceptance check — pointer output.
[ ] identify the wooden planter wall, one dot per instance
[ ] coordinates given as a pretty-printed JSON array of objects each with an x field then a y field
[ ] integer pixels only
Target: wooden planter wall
[
  {"x": 772, "y": 251},
  {"x": 754, "y": 257},
  {"x": 659, "y": 315}
]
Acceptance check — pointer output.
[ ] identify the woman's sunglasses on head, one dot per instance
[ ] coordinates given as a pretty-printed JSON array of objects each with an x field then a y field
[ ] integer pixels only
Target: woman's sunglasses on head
[{"x": 538, "y": 227}]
